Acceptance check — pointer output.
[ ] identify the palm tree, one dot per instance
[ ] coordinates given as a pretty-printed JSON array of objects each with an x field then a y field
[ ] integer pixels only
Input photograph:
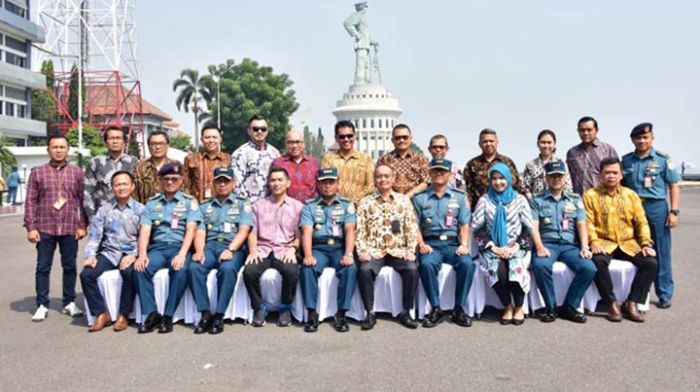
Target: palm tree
[{"x": 192, "y": 90}]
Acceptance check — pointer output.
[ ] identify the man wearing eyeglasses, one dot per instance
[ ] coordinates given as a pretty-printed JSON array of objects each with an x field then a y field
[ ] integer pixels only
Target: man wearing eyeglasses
[
  {"x": 438, "y": 149},
  {"x": 146, "y": 181},
  {"x": 411, "y": 168},
  {"x": 166, "y": 233},
  {"x": 199, "y": 166},
  {"x": 301, "y": 168},
  {"x": 355, "y": 168},
  {"x": 98, "y": 172},
  {"x": 251, "y": 162}
]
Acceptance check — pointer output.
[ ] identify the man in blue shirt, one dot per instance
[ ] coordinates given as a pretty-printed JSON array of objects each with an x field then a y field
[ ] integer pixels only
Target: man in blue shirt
[
  {"x": 443, "y": 217},
  {"x": 559, "y": 233},
  {"x": 168, "y": 227},
  {"x": 111, "y": 244},
  {"x": 219, "y": 244},
  {"x": 13, "y": 182},
  {"x": 654, "y": 176},
  {"x": 328, "y": 239}
]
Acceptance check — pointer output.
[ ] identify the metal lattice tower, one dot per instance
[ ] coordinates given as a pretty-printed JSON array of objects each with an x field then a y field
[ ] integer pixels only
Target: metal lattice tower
[{"x": 100, "y": 36}]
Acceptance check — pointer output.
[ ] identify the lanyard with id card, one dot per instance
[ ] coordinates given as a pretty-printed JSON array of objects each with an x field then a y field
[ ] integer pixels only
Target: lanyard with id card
[{"x": 60, "y": 201}]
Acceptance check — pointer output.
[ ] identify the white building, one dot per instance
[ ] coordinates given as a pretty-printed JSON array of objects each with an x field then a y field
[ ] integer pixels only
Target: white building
[
  {"x": 374, "y": 111},
  {"x": 17, "y": 34}
]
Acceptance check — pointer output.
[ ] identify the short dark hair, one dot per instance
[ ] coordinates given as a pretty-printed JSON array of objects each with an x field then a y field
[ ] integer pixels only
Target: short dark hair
[
  {"x": 159, "y": 132},
  {"x": 344, "y": 124},
  {"x": 400, "y": 126},
  {"x": 278, "y": 170},
  {"x": 609, "y": 161},
  {"x": 57, "y": 135},
  {"x": 257, "y": 117},
  {"x": 108, "y": 128},
  {"x": 119, "y": 173},
  {"x": 587, "y": 119},
  {"x": 210, "y": 125},
  {"x": 487, "y": 131},
  {"x": 436, "y": 137}
]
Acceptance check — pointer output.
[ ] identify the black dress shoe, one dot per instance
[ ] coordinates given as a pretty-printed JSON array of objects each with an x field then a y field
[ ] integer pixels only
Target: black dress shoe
[
  {"x": 572, "y": 315},
  {"x": 204, "y": 324},
  {"x": 548, "y": 316},
  {"x": 166, "y": 326},
  {"x": 504, "y": 321},
  {"x": 663, "y": 304},
  {"x": 369, "y": 321},
  {"x": 341, "y": 323},
  {"x": 407, "y": 321},
  {"x": 459, "y": 317},
  {"x": 285, "y": 318},
  {"x": 152, "y": 322},
  {"x": 217, "y": 325},
  {"x": 434, "y": 318},
  {"x": 258, "y": 318},
  {"x": 311, "y": 324}
]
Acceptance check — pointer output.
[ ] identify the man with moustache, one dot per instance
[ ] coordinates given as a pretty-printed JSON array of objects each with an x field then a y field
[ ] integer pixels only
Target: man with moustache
[
  {"x": 411, "y": 169},
  {"x": 199, "y": 166},
  {"x": 584, "y": 159},
  {"x": 355, "y": 168},
  {"x": 302, "y": 168},
  {"x": 146, "y": 180}
]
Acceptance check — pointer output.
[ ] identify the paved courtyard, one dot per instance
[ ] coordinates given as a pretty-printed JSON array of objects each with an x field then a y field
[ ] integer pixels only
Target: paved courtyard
[{"x": 59, "y": 354}]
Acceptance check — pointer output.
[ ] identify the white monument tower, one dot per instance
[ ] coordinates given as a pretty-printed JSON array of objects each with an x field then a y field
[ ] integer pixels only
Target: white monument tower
[{"x": 368, "y": 104}]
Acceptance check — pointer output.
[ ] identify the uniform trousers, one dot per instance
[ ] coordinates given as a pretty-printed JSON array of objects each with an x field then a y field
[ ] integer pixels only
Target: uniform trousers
[
  {"x": 657, "y": 215},
  {"x": 253, "y": 272},
  {"x": 569, "y": 254},
  {"x": 91, "y": 289},
  {"x": 646, "y": 271},
  {"x": 226, "y": 276},
  {"x": 45, "y": 248},
  {"x": 161, "y": 256},
  {"x": 367, "y": 273},
  {"x": 328, "y": 256},
  {"x": 430, "y": 265}
]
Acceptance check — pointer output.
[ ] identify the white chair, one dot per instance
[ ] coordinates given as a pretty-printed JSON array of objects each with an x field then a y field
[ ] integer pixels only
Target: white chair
[
  {"x": 447, "y": 284},
  {"x": 485, "y": 295},
  {"x": 388, "y": 292},
  {"x": 327, "y": 304}
]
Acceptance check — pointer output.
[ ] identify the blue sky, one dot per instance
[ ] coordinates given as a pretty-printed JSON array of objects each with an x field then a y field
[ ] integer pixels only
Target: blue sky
[{"x": 457, "y": 66}]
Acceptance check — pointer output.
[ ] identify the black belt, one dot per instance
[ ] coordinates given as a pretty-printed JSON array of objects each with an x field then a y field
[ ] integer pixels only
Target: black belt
[
  {"x": 650, "y": 200},
  {"x": 443, "y": 237},
  {"x": 328, "y": 241}
]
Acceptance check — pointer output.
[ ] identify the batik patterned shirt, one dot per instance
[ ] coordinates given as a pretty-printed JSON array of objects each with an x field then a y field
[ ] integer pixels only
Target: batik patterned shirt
[
  {"x": 374, "y": 226},
  {"x": 251, "y": 166},
  {"x": 98, "y": 180},
  {"x": 114, "y": 231},
  {"x": 147, "y": 181},
  {"x": 535, "y": 178},
  {"x": 355, "y": 173},
  {"x": 411, "y": 169},
  {"x": 476, "y": 176},
  {"x": 584, "y": 164},
  {"x": 199, "y": 173},
  {"x": 302, "y": 175}
]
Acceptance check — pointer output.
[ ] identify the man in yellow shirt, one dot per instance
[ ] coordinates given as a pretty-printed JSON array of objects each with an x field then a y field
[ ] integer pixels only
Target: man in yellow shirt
[
  {"x": 355, "y": 168},
  {"x": 618, "y": 228}
]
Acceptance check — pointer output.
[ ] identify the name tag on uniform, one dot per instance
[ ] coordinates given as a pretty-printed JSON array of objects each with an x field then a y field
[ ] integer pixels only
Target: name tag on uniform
[
  {"x": 565, "y": 224},
  {"x": 336, "y": 230},
  {"x": 59, "y": 203},
  {"x": 174, "y": 222},
  {"x": 207, "y": 193},
  {"x": 227, "y": 227},
  {"x": 449, "y": 220},
  {"x": 647, "y": 182}
]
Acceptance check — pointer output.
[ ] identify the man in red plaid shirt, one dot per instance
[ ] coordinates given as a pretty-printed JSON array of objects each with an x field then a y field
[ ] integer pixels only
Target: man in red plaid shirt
[{"x": 54, "y": 215}]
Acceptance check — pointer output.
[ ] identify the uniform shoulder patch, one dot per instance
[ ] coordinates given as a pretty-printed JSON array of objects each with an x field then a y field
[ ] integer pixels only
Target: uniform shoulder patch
[
  {"x": 351, "y": 208},
  {"x": 345, "y": 199},
  {"x": 157, "y": 195},
  {"x": 307, "y": 201}
]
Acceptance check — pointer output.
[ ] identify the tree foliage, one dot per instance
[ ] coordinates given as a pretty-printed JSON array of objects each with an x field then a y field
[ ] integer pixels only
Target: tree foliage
[
  {"x": 181, "y": 141},
  {"x": 415, "y": 148},
  {"x": 43, "y": 104},
  {"x": 7, "y": 159},
  {"x": 73, "y": 93},
  {"x": 91, "y": 140},
  {"x": 192, "y": 89},
  {"x": 315, "y": 145},
  {"x": 248, "y": 89}
]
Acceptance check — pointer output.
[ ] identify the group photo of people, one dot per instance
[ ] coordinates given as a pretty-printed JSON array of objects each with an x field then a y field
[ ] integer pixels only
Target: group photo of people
[{"x": 256, "y": 209}]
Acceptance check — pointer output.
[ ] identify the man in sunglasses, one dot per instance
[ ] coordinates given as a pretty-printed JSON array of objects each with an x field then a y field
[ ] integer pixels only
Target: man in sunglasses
[
  {"x": 411, "y": 168},
  {"x": 438, "y": 149},
  {"x": 199, "y": 166},
  {"x": 355, "y": 168},
  {"x": 251, "y": 162}
]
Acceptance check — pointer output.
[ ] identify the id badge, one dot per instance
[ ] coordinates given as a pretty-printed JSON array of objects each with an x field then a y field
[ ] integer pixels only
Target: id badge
[
  {"x": 174, "y": 222},
  {"x": 565, "y": 224},
  {"x": 395, "y": 227},
  {"x": 336, "y": 230},
  {"x": 449, "y": 220},
  {"x": 647, "y": 182},
  {"x": 59, "y": 203},
  {"x": 227, "y": 227},
  {"x": 207, "y": 193}
]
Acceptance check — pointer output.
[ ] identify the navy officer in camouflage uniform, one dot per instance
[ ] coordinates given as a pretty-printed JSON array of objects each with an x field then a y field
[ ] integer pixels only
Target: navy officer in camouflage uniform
[
  {"x": 222, "y": 234},
  {"x": 168, "y": 227},
  {"x": 443, "y": 217},
  {"x": 328, "y": 239}
]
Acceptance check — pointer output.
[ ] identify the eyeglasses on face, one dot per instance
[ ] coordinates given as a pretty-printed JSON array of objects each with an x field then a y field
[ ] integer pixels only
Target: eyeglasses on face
[
  {"x": 437, "y": 147},
  {"x": 171, "y": 179},
  {"x": 294, "y": 142},
  {"x": 259, "y": 129}
]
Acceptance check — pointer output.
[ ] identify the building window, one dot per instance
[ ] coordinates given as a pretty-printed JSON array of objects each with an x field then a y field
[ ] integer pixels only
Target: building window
[
  {"x": 9, "y": 109},
  {"x": 15, "y": 44},
  {"x": 16, "y": 9},
  {"x": 14, "y": 59},
  {"x": 380, "y": 123},
  {"x": 364, "y": 123},
  {"x": 371, "y": 123},
  {"x": 15, "y": 93}
]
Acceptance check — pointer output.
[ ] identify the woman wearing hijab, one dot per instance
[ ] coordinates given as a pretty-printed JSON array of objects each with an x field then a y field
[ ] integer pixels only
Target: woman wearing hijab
[
  {"x": 503, "y": 225},
  {"x": 534, "y": 181}
]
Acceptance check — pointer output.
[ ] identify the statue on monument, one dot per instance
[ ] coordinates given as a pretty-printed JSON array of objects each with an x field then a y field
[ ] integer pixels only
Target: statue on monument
[{"x": 366, "y": 49}]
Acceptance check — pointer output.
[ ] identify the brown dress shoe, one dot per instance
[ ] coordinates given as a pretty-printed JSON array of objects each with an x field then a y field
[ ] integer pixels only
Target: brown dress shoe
[
  {"x": 121, "y": 323},
  {"x": 614, "y": 313},
  {"x": 101, "y": 321},
  {"x": 630, "y": 310}
]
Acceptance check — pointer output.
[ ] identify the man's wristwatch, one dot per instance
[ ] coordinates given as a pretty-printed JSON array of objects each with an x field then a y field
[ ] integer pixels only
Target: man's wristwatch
[
  {"x": 349, "y": 254},
  {"x": 675, "y": 211},
  {"x": 231, "y": 249}
]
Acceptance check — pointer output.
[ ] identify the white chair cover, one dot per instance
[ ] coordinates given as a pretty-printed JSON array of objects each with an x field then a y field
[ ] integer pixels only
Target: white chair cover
[{"x": 327, "y": 304}]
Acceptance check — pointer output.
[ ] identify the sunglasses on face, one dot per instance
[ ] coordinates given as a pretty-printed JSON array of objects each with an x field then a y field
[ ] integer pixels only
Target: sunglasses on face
[
  {"x": 259, "y": 129},
  {"x": 345, "y": 136},
  {"x": 438, "y": 147},
  {"x": 401, "y": 138}
]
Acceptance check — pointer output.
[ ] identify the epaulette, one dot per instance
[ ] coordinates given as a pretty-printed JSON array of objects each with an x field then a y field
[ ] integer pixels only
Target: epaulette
[
  {"x": 421, "y": 192},
  {"x": 157, "y": 195},
  {"x": 458, "y": 190},
  {"x": 628, "y": 154},
  {"x": 187, "y": 196},
  {"x": 345, "y": 199},
  {"x": 663, "y": 154},
  {"x": 311, "y": 200},
  {"x": 209, "y": 200}
]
